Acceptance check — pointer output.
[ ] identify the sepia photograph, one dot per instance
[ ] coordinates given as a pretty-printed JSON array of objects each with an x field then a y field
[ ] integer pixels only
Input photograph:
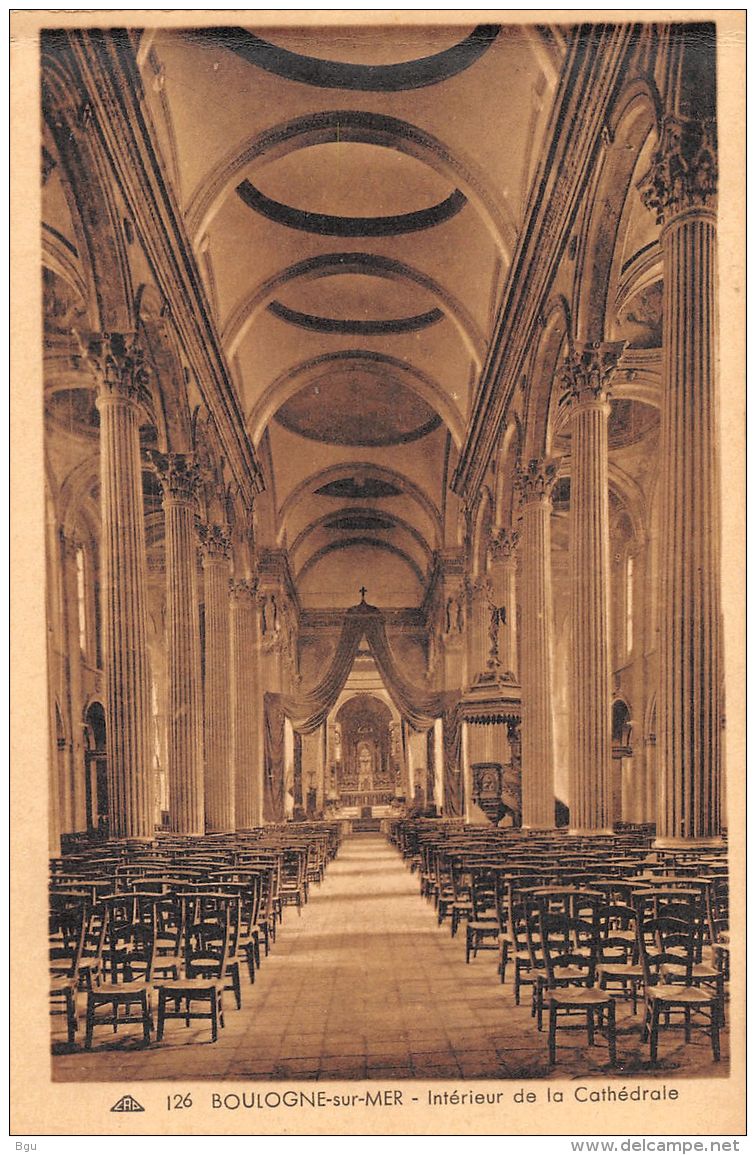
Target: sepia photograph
[{"x": 378, "y": 756}]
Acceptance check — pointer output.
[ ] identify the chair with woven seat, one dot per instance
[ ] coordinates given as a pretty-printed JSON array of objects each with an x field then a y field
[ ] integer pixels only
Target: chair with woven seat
[
  {"x": 92, "y": 967},
  {"x": 69, "y": 918},
  {"x": 668, "y": 947},
  {"x": 212, "y": 908},
  {"x": 443, "y": 891},
  {"x": 484, "y": 928},
  {"x": 205, "y": 976},
  {"x": 266, "y": 918},
  {"x": 461, "y": 905},
  {"x": 250, "y": 930},
  {"x": 293, "y": 878},
  {"x": 135, "y": 947},
  {"x": 427, "y": 872},
  {"x": 249, "y": 885},
  {"x": 619, "y": 968},
  {"x": 527, "y": 964},
  {"x": 569, "y": 942},
  {"x": 689, "y": 907}
]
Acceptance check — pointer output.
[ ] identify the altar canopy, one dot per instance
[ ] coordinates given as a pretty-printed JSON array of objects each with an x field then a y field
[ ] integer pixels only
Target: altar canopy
[{"x": 308, "y": 711}]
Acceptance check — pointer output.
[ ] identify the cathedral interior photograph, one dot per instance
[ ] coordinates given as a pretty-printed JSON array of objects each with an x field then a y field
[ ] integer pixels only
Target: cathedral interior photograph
[{"x": 382, "y": 518}]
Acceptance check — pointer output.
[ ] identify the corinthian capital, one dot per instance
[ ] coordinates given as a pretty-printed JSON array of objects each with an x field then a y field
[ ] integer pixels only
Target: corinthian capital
[
  {"x": 683, "y": 173},
  {"x": 117, "y": 362},
  {"x": 478, "y": 586},
  {"x": 215, "y": 542},
  {"x": 245, "y": 590},
  {"x": 536, "y": 481},
  {"x": 502, "y": 544},
  {"x": 588, "y": 370},
  {"x": 179, "y": 475}
]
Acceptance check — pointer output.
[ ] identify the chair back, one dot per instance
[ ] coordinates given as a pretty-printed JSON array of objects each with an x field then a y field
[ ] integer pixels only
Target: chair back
[
  {"x": 669, "y": 936},
  {"x": 483, "y": 895},
  {"x": 210, "y": 924},
  {"x": 131, "y": 934},
  {"x": 618, "y": 933},
  {"x": 569, "y": 937},
  {"x": 67, "y": 941}
]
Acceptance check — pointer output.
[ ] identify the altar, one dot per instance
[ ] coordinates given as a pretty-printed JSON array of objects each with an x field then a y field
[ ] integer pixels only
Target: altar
[{"x": 363, "y": 773}]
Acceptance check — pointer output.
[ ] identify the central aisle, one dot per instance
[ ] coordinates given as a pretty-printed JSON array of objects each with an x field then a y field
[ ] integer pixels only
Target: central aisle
[{"x": 366, "y": 983}]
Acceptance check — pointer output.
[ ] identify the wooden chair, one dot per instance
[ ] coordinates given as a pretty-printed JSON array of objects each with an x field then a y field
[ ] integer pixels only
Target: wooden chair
[
  {"x": 570, "y": 948},
  {"x": 136, "y": 950},
  {"x": 461, "y": 904},
  {"x": 619, "y": 968},
  {"x": 204, "y": 978},
  {"x": 293, "y": 878},
  {"x": 668, "y": 947},
  {"x": 248, "y": 884},
  {"x": 70, "y": 921},
  {"x": 484, "y": 930},
  {"x": 91, "y": 969},
  {"x": 524, "y": 935}
]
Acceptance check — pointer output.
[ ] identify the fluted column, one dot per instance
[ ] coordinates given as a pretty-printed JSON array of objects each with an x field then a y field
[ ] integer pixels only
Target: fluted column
[
  {"x": 587, "y": 375},
  {"x": 536, "y": 662},
  {"x": 246, "y": 705},
  {"x": 117, "y": 363},
  {"x": 219, "y": 755},
  {"x": 681, "y": 188},
  {"x": 503, "y": 573},
  {"x": 179, "y": 476},
  {"x": 479, "y": 621}
]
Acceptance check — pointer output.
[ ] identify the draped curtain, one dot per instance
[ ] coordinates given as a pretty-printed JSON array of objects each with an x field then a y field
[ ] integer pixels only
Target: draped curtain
[{"x": 308, "y": 711}]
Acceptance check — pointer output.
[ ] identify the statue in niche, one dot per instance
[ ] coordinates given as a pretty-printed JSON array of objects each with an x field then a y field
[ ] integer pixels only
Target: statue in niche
[
  {"x": 365, "y": 766},
  {"x": 270, "y": 615},
  {"x": 496, "y": 616},
  {"x": 455, "y": 615}
]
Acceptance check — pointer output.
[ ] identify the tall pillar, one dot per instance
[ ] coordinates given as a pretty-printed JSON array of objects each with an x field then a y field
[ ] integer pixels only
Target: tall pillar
[
  {"x": 219, "y": 764},
  {"x": 179, "y": 476},
  {"x": 117, "y": 364},
  {"x": 479, "y": 620},
  {"x": 587, "y": 375},
  {"x": 535, "y": 484},
  {"x": 503, "y": 573},
  {"x": 681, "y": 189},
  {"x": 246, "y": 705}
]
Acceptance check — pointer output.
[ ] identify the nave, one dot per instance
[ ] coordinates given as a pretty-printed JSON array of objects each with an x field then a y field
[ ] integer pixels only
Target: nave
[{"x": 368, "y": 984}]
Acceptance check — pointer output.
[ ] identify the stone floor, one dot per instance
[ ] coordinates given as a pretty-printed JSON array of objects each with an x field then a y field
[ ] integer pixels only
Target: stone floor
[{"x": 365, "y": 984}]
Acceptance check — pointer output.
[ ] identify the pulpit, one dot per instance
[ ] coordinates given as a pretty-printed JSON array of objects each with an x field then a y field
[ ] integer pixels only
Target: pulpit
[{"x": 487, "y": 783}]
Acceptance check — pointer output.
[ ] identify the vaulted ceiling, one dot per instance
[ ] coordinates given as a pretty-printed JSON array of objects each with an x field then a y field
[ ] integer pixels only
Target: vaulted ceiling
[{"x": 354, "y": 196}]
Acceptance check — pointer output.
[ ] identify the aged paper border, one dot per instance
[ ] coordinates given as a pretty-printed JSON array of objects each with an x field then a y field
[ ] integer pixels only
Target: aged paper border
[{"x": 41, "y": 1107}]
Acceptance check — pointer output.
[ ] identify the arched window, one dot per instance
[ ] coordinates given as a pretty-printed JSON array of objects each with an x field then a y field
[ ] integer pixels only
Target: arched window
[
  {"x": 623, "y": 599},
  {"x": 81, "y": 599},
  {"x": 628, "y": 605}
]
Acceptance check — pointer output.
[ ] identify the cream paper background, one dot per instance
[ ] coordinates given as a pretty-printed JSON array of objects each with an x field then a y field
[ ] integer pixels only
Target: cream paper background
[{"x": 39, "y": 1106}]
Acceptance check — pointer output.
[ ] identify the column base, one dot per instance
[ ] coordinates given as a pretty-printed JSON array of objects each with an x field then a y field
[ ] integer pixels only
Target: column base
[
  {"x": 147, "y": 839},
  {"x": 585, "y": 833},
  {"x": 535, "y": 826},
  {"x": 688, "y": 843}
]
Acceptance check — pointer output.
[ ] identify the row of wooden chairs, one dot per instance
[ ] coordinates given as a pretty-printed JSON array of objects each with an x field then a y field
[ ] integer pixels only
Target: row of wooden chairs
[
  {"x": 585, "y": 925},
  {"x": 179, "y": 921}
]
